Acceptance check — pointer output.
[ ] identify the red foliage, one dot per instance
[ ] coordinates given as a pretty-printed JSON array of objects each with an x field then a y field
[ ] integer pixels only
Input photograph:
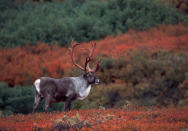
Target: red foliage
[
  {"x": 142, "y": 119},
  {"x": 22, "y": 65}
]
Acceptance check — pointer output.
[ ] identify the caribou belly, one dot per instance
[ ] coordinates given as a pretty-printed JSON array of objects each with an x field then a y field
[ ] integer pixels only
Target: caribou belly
[{"x": 83, "y": 94}]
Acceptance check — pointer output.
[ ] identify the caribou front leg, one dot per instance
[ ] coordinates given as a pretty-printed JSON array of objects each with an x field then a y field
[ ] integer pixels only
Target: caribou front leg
[{"x": 67, "y": 105}]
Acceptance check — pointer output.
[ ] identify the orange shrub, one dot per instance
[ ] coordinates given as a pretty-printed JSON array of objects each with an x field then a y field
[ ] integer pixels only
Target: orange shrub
[
  {"x": 22, "y": 65},
  {"x": 142, "y": 119}
]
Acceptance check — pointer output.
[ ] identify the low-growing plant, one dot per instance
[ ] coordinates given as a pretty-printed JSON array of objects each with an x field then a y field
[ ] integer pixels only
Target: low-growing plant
[
  {"x": 20, "y": 100},
  {"x": 83, "y": 21},
  {"x": 22, "y": 65},
  {"x": 140, "y": 78},
  {"x": 156, "y": 78},
  {"x": 138, "y": 118},
  {"x": 75, "y": 122}
]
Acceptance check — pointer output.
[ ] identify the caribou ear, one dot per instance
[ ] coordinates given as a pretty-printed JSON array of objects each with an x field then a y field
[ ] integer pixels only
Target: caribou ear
[{"x": 85, "y": 75}]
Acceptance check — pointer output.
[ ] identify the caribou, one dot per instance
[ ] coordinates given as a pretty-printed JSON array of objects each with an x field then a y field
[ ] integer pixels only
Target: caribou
[{"x": 67, "y": 89}]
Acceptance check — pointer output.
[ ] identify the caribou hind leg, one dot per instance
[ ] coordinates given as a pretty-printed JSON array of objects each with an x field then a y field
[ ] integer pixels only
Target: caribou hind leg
[{"x": 38, "y": 99}]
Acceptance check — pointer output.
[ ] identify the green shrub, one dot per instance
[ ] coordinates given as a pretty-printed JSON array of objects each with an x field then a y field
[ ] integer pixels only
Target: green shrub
[
  {"x": 55, "y": 22},
  {"x": 20, "y": 100},
  {"x": 158, "y": 78},
  {"x": 9, "y": 11},
  {"x": 143, "y": 79},
  {"x": 106, "y": 96}
]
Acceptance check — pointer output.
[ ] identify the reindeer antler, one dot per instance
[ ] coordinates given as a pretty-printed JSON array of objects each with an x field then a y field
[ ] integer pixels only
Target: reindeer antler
[
  {"x": 72, "y": 55},
  {"x": 90, "y": 59},
  {"x": 86, "y": 68}
]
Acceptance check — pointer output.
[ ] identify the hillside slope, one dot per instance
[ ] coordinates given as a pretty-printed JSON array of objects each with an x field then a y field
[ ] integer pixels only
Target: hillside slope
[
  {"x": 25, "y": 64},
  {"x": 142, "y": 119}
]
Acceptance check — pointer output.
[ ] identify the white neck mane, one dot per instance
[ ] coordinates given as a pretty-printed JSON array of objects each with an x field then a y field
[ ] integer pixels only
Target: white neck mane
[{"x": 84, "y": 93}]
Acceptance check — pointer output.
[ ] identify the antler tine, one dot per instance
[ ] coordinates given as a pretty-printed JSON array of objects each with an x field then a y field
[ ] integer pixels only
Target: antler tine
[
  {"x": 98, "y": 65},
  {"x": 87, "y": 64},
  {"x": 92, "y": 50},
  {"x": 72, "y": 55},
  {"x": 90, "y": 59}
]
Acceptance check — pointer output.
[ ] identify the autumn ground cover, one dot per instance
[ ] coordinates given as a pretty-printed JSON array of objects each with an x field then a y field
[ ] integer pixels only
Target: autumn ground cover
[
  {"x": 25, "y": 64},
  {"x": 142, "y": 119}
]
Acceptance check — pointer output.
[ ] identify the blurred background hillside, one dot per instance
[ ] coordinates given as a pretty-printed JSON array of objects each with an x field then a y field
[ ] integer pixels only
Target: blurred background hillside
[{"x": 143, "y": 45}]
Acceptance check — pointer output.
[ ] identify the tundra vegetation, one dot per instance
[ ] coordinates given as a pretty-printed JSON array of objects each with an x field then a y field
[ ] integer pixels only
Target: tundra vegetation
[
  {"x": 143, "y": 77},
  {"x": 54, "y": 22}
]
